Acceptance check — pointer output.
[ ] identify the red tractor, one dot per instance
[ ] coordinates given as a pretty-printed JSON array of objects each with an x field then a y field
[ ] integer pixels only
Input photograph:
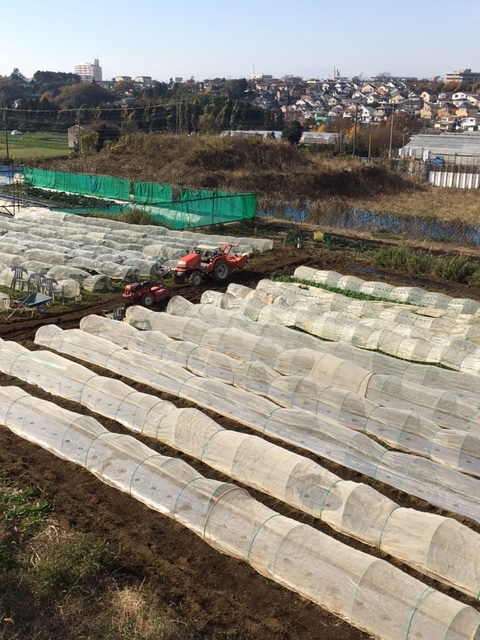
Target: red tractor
[
  {"x": 146, "y": 293},
  {"x": 216, "y": 261}
]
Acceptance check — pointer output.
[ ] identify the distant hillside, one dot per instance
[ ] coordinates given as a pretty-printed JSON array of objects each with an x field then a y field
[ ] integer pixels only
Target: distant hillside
[{"x": 278, "y": 172}]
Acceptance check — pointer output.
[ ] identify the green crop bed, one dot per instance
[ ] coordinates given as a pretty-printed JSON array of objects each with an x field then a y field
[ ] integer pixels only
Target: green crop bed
[{"x": 34, "y": 145}]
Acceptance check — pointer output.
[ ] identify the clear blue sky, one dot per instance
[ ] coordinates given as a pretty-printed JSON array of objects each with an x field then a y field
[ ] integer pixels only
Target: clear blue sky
[{"x": 213, "y": 38}]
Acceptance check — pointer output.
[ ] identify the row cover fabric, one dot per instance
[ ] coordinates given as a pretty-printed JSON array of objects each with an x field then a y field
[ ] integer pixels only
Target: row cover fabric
[
  {"x": 421, "y": 477},
  {"x": 117, "y": 230},
  {"x": 392, "y": 339},
  {"x": 445, "y": 406},
  {"x": 433, "y": 376},
  {"x": 436, "y": 545},
  {"x": 401, "y": 429},
  {"x": 52, "y": 243},
  {"x": 412, "y": 295},
  {"x": 363, "y": 590}
]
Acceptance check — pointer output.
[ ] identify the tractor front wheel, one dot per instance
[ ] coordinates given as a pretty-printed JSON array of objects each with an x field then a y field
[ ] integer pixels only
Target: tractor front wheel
[
  {"x": 196, "y": 279},
  {"x": 220, "y": 271},
  {"x": 148, "y": 299}
]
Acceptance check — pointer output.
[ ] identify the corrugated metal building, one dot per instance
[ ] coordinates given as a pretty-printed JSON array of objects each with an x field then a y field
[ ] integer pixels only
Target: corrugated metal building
[{"x": 454, "y": 148}]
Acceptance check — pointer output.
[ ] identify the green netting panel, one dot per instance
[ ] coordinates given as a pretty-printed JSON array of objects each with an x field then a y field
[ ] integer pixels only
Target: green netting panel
[
  {"x": 108, "y": 187},
  {"x": 176, "y": 219},
  {"x": 39, "y": 178},
  {"x": 214, "y": 207},
  {"x": 195, "y": 208},
  {"x": 151, "y": 192},
  {"x": 86, "y": 184}
]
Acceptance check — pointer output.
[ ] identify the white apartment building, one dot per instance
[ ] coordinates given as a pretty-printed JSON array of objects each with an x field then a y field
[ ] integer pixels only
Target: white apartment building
[{"x": 89, "y": 72}]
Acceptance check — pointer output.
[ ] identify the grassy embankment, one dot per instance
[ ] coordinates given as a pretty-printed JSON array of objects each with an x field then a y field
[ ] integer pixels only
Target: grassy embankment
[{"x": 280, "y": 174}]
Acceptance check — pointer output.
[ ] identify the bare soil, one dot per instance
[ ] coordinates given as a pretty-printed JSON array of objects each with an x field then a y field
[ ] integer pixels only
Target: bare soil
[{"x": 216, "y": 596}]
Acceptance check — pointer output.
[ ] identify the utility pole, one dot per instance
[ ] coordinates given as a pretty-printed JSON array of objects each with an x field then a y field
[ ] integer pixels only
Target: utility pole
[
  {"x": 391, "y": 133},
  {"x": 77, "y": 139},
  {"x": 355, "y": 132},
  {"x": 6, "y": 133}
]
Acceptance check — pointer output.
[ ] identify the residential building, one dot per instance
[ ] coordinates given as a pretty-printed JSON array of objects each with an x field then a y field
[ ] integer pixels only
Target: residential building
[
  {"x": 469, "y": 124},
  {"x": 365, "y": 114},
  {"x": 383, "y": 111},
  {"x": 145, "y": 81},
  {"x": 447, "y": 108},
  {"x": 428, "y": 96},
  {"x": 89, "y": 72},
  {"x": 466, "y": 76},
  {"x": 465, "y": 109},
  {"x": 429, "y": 111},
  {"x": 459, "y": 96},
  {"x": 447, "y": 122}
]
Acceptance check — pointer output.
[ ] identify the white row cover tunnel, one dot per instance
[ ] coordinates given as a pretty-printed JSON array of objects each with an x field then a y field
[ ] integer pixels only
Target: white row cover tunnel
[
  {"x": 70, "y": 248},
  {"x": 435, "y": 545},
  {"x": 419, "y": 476},
  {"x": 417, "y": 334},
  {"x": 363, "y": 590},
  {"x": 239, "y": 354},
  {"x": 399, "y": 428}
]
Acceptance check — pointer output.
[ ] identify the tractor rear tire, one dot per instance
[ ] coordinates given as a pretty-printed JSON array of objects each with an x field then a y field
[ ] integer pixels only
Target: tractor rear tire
[
  {"x": 196, "y": 279},
  {"x": 220, "y": 271},
  {"x": 148, "y": 299}
]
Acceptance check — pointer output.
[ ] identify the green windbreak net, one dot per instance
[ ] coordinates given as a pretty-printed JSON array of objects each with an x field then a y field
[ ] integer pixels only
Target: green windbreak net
[
  {"x": 152, "y": 193},
  {"x": 195, "y": 208},
  {"x": 85, "y": 184},
  {"x": 215, "y": 207}
]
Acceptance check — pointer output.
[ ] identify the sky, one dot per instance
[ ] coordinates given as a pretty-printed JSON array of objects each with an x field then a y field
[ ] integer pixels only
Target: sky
[{"x": 213, "y": 38}]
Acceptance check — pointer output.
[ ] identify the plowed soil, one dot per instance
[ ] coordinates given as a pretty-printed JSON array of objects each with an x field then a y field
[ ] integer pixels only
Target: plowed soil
[{"x": 215, "y": 595}]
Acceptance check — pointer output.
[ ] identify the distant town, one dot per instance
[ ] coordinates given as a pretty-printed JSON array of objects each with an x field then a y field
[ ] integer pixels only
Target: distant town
[
  {"x": 452, "y": 104},
  {"x": 377, "y": 112}
]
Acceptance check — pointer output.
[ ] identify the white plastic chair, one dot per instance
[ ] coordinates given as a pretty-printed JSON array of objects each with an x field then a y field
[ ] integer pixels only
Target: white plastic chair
[
  {"x": 20, "y": 276},
  {"x": 50, "y": 287}
]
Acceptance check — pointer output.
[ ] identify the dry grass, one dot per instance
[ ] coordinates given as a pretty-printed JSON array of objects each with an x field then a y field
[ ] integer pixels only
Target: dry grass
[
  {"x": 272, "y": 169},
  {"x": 429, "y": 201},
  {"x": 136, "y": 615},
  {"x": 67, "y": 585},
  {"x": 279, "y": 173}
]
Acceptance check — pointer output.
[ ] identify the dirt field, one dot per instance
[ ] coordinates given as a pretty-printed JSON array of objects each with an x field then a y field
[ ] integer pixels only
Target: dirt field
[{"x": 215, "y": 595}]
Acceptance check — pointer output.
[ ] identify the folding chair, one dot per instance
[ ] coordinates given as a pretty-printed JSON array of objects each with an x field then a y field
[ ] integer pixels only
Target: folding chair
[{"x": 19, "y": 277}]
